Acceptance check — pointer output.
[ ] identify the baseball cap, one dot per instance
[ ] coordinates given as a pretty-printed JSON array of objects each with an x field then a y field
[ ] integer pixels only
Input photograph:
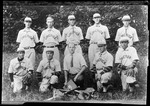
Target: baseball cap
[
  {"x": 49, "y": 18},
  {"x": 125, "y": 38},
  {"x": 126, "y": 18},
  {"x": 72, "y": 40},
  {"x": 71, "y": 17},
  {"x": 101, "y": 43},
  {"x": 96, "y": 15},
  {"x": 20, "y": 49},
  {"x": 27, "y": 19},
  {"x": 130, "y": 79},
  {"x": 49, "y": 49},
  {"x": 54, "y": 79}
]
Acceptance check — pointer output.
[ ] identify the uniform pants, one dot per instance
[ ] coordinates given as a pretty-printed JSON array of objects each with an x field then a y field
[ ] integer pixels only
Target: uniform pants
[
  {"x": 91, "y": 53},
  {"x": 78, "y": 50},
  {"x": 46, "y": 82},
  {"x": 56, "y": 54},
  {"x": 30, "y": 53},
  {"x": 18, "y": 85}
]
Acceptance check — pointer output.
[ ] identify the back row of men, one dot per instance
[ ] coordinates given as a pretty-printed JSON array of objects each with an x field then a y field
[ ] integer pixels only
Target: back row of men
[{"x": 74, "y": 64}]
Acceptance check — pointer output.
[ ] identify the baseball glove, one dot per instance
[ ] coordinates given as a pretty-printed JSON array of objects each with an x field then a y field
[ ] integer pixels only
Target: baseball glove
[{"x": 27, "y": 79}]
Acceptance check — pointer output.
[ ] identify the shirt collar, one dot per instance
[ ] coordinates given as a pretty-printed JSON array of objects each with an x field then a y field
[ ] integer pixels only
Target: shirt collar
[
  {"x": 127, "y": 49},
  {"x": 49, "y": 29},
  {"x": 103, "y": 52},
  {"x": 50, "y": 60},
  {"x": 27, "y": 30},
  {"x": 99, "y": 25},
  {"x": 72, "y": 26},
  {"x": 126, "y": 27}
]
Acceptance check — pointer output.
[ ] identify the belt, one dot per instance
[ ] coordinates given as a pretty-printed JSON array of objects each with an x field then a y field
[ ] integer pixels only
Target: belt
[
  {"x": 28, "y": 47},
  {"x": 50, "y": 46},
  {"x": 93, "y": 43}
]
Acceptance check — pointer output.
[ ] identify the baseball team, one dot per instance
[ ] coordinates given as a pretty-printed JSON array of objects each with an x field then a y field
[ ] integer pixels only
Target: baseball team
[{"x": 49, "y": 69}]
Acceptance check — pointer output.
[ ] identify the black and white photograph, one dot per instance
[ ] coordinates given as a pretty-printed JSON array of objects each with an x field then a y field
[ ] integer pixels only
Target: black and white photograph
[{"x": 75, "y": 52}]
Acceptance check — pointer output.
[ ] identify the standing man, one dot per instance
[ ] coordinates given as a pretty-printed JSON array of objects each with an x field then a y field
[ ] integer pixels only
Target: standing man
[
  {"x": 127, "y": 30},
  {"x": 50, "y": 38},
  {"x": 48, "y": 70},
  {"x": 95, "y": 33},
  {"x": 126, "y": 60},
  {"x": 20, "y": 72},
  {"x": 102, "y": 64},
  {"x": 72, "y": 32},
  {"x": 74, "y": 66},
  {"x": 27, "y": 38}
]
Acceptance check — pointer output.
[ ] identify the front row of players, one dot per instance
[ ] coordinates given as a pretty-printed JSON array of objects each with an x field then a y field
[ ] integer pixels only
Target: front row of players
[{"x": 74, "y": 64}]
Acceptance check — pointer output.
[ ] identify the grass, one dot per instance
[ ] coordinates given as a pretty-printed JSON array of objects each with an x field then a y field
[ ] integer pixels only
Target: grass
[{"x": 34, "y": 95}]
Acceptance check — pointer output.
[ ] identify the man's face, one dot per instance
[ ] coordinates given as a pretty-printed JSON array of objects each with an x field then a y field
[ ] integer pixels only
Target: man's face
[
  {"x": 49, "y": 55},
  {"x": 102, "y": 48},
  {"x": 71, "y": 48},
  {"x": 49, "y": 23},
  {"x": 21, "y": 54},
  {"x": 124, "y": 44},
  {"x": 28, "y": 23},
  {"x": 96, "y": 20},
  {"x": 126, "y": 23},
  {"x": 71, "y": 22}
]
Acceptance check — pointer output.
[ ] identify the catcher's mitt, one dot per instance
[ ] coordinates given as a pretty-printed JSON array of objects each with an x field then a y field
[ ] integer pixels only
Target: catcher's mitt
[{"x": 27, "y": 79}]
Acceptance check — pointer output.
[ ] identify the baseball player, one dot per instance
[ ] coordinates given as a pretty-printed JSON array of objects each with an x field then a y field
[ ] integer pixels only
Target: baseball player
[
  {"x": 27, "y": 38},
  {"x": 95, "y": 33},
  {"x": 127, "y": 30},
  {"x": 72, "y": 32},
  {"x": 126, "y": 60},
  {"x": 102, "y": 65},
  {"x": 48, "y": 71},
  {"x": 20, "y": 72},
  {"x": 74, "y": 66},
  {"x": 50, "y": 38}
]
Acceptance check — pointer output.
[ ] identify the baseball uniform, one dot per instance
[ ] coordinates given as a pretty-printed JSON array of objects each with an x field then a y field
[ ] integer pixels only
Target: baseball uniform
[
  {"x": 47, "y": 67},
  {"x": 126, "y": 58},
  {"x": 72, "y": 32},
  {"x": 19, "y": 70},
  {"x": 95, "y": 34},
  {"x": 102, "y": 60},
  {"x": 47, "y": 37},
  {"x": 129, "y": 32},
  {"x": 27, "y": 40}
]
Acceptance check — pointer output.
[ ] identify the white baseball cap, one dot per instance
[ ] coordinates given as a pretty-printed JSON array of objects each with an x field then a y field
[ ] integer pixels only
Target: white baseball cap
[
  {"x": 54, "y": 79},
  {"x": 49, "y": 18},
  {"x": 71, "y": 17},
  {"x": 101, "y": 43},
  {"x": 49, "y": 49},
  {"x": 126, "y": 18},
  {"x": 96, "y": 15},
  {"x": 72, "y": 40},
  {"x": 130, "y": 79},
  {"x": 125, "y": 38},
  {"x": 20, "y": 49},
  {"x": 27, "y": 19}
]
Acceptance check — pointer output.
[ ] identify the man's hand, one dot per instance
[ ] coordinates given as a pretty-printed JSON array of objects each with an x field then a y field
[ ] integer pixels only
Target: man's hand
[
  {"x": 12, "y": 84},
  {"x": 75, "y": 78},
  {"x": 130, "y": 72}
]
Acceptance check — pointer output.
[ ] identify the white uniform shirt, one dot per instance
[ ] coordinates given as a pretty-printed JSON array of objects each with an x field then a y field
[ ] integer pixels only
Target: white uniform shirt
[
  {"x": 103, "y": 59},
  {"x": 21, "y": 68},
  {"x": 97, "y": 33},
  {"x": 72, "y": 32},
  {"x": 47, "y": 70},
  {"x": 127, "y": 56},
  {"x": 27, "y": 38},
  {"x": 78, "y": 62},
  {"x": 131, "y": 33},
  {"x": 50, "y": 33}
]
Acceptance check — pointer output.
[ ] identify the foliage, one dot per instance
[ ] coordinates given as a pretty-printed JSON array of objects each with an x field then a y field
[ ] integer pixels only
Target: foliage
[{"x": 14, "y": 13}]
